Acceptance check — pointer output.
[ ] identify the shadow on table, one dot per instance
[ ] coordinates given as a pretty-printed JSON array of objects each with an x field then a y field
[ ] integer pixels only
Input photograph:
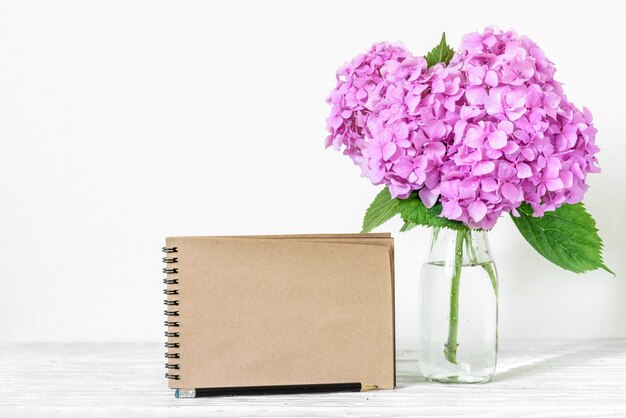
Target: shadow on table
[{"x": 549, "y": 360}]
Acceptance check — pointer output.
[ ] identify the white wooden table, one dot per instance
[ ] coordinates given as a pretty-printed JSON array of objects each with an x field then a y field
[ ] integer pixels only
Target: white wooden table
[{"x": 534, "y": 379}]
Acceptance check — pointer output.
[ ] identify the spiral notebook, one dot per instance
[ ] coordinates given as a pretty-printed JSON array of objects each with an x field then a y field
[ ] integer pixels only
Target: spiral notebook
[{"x": 279, "y": 310}]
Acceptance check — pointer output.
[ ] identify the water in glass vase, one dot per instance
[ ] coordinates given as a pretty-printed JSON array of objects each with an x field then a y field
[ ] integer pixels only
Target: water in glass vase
[{"x": 458, "y": 309}]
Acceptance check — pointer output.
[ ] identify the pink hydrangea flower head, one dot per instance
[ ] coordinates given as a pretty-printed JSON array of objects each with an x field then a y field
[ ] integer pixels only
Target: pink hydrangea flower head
[
  {"x": 360, "y": 85},
  {"x": 482, "y": 135},
  {"x": 517, "y": 139},
  {"x": 405, "y": 145},
  {"x": 371, "y": 120}
]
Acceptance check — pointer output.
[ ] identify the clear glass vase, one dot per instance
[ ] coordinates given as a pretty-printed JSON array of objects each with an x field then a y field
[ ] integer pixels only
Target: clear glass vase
[{"x": 458, "y": 309}]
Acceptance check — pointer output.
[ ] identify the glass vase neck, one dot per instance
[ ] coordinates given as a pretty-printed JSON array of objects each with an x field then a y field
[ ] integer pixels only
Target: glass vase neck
[{"x": 445, "y": 242}]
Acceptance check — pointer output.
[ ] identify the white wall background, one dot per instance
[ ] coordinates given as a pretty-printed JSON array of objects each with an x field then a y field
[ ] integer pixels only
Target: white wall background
[{"x": 123, "y": 122}]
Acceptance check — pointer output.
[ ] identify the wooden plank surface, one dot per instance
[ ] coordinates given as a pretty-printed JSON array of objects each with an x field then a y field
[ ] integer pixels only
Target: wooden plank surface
[{"x": 534, "y": 379}]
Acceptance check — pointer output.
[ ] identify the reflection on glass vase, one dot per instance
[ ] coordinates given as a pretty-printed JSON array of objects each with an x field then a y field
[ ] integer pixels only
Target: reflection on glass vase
[{"x": 458, "y": 308}]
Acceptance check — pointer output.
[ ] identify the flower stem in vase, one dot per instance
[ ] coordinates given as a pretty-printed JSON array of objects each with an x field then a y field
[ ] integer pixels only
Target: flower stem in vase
[
  {"x": 474, "y": 262},
  {"x": 451, "y": 345}
]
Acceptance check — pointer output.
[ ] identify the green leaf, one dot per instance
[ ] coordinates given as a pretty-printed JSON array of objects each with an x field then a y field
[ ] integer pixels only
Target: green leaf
[
  {"x": 568, "y": 237},
  {"x": 440, "y": 53},
  {"x": 380, "y": 211},
  {"x": 407, "y": 227},
  {"x": 414, "y": 212}
]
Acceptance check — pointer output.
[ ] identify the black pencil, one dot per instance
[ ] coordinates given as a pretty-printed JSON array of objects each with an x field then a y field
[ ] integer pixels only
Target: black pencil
[{"x": 274, "y": 390}]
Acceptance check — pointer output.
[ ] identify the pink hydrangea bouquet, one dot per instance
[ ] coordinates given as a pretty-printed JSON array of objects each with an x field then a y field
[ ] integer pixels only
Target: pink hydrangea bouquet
[{"x": 459, "y": 138}]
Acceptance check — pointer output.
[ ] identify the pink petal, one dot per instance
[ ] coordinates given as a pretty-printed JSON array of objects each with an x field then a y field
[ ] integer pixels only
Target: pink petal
[
  {"x": 497, "y": 139},
  {"x": 418, "y": 138},
  {"x": 376, "y": 173},
  {"x": 420, "y": 162},
  {"x": 577, "y": 171},
  {"x": 477, "y": 155},
  {"x": 491, "y": 78},
  {"x": 533, "y": 96},
  {"x": 568, "y": 178},
  {"x": 403, "y": 167},
  {"x": 335, "y": 122},
  {"x": 428, "y": 197},
  {"x": 435, "y": 129},
  {"x": 399, "y": 190},
  {"x": 476, "y": 75},
  {"x": 510, "y": 192},
  {"x": 552, "y": 100},
  {"x": 587, "y": 115},
  {"x": 554, "y": 184},
  {"x": 553, "y": 166},
  {"x": 438, "y": 86},
  {"x": 477, "y": 210},
  {"x": 474, "y": 137},
  {"x": 389, "y": 149},
  {"x": 505, "y": 170},
  {"x": 570, "y": 132},
  {"x": 449, "y": 189},
  {"x": 506, "y": 126},
  {"x": 488, "y": 184},
  {"x": 490, "y": 41},
  {"x": 453, "y": 88},
  {"x": 516, "y": 98},
  {"x": 459, "y": 129},
  {"x": 450, "y": 104},
  {"x": 435, "y": 150},
  {"x": 401, "y": 131},
  {"x": 523, "y": 171},
  {"x": 468, "y": 112},
  {"x": 484, "y": 167},
  {"x": 493, "y": 103},
  {"x": 476, "y": 95},
  {"x": 494, "y": 154},
  {"x": 515, "y": 114},
  {"x": 466, "y": 192},
  {"x": 451, "y": 209},
  {"x": 432, "y": 181},
  {"x": 412, "y": 102},
  {"x": 471, "y": 41},
  {"x": 529, "y": 153},
  {"x": 526, "y": 69}
]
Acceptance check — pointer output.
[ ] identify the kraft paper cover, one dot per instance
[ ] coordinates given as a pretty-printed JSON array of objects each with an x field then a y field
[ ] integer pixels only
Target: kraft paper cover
[{"x": 281, "y": 310}]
